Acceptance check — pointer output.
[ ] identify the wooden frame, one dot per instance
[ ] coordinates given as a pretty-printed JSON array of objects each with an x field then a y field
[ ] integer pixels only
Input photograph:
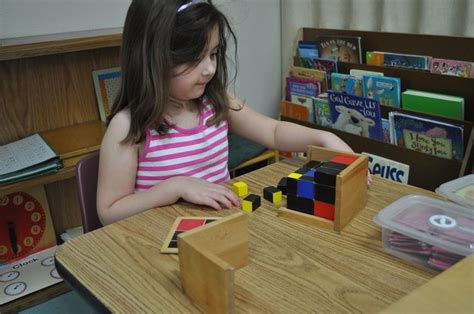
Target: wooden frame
[
  {"x": 208, "y": 257},
  {"x": 421, "y": 165},
  {"x": 351, "y": 191}
]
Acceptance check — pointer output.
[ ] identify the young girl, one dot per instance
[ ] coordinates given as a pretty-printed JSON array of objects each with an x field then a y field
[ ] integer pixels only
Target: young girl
[{"x": 167, "y": 132}]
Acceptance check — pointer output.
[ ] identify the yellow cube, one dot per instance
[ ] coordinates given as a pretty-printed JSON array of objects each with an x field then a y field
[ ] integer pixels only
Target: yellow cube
[
  {"x": 295, "y": 175},
  {"x": 241, "y": 188},
  {"x": 272, "y": 194},
  {"x": 251, "y": 203}
]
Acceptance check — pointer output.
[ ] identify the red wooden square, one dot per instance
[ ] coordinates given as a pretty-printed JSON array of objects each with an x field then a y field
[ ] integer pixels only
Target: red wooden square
[
  {"x": 344, "y": 159},
  {"x": 324, "y": 210},
  {"x": 188, "y": 224}
]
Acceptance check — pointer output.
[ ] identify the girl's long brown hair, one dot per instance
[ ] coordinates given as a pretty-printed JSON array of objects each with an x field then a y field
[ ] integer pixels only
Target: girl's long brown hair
[{"x": 155, "y": 40}]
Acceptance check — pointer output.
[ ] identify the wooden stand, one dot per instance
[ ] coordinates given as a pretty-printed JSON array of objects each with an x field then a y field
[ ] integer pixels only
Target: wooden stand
[
  {"x": 351, "y": 191},
  {"x": 208, "y": 257}
]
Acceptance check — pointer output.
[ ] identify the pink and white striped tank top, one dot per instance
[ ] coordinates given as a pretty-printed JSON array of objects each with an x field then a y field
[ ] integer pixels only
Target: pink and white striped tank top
[{"x": 200, "y": 152}]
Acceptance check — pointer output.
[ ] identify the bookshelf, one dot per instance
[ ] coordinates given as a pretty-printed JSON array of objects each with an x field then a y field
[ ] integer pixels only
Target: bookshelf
[
  {"x": 425, "y": 171},
  {"x": 47, "y": 88}
]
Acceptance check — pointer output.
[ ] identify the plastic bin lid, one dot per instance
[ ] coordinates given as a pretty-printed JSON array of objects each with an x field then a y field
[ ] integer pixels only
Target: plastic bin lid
[
  {"x": 433, "y": 221},
  {"x": 460, "y": 190}
]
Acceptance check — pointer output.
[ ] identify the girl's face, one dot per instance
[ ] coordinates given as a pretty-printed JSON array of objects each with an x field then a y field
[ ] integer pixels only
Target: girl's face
[{"x": 189, "y": 83}]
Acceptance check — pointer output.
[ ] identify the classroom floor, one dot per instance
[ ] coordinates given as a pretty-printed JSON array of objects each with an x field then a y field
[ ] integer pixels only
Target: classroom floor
[{"x": 70, "y": 303}]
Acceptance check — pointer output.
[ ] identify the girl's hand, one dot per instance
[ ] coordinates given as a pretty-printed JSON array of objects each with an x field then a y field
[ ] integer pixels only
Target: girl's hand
[
  {"x": 202, "y": 192},
  {"x": 369, "y": 179}
]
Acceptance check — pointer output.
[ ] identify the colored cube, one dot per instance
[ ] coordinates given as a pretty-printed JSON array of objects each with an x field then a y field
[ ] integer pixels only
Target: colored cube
[
  {"x": 324, "y": 193},
  {"x": 272, "y": 194},
  {"x": 324, "y": 210},
  {"x": 305, "y": 187},
  {"x": 282, "y": 185},
  {"x": 313, "y": 164},
  {"x": 291, "y": 182},
  {"x": 326, "y": 176},
  {"x": 241, "y": 188},
  {"x": 344, "y": 159},
  {"x": 334, "y": 165},
  {"x": 251, "y": 203},
  {"x": 300, "y": 204}
]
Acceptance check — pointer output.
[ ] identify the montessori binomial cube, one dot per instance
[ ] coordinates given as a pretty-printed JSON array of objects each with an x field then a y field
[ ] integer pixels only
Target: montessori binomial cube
[
  {"x": 240, "y": 188},
  {"x": 251, "y": 203},
  {"x": 272, "y": 194}
]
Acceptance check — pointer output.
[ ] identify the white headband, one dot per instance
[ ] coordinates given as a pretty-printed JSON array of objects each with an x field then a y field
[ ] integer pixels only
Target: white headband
[{"x": 190, "y": 3}]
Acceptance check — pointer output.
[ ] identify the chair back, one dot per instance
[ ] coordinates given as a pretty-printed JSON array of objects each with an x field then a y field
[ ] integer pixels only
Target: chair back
[{"x": 87, "y": 172}]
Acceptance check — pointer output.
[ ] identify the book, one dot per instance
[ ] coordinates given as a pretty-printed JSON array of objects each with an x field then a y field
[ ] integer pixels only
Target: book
[
  {"x": 399, "y": 60},
  {"x": 356, "y": 115},
  {"x": 107, "y": 84},
  {"x": 297, "y": 71},
  {"x": 386, "y": 130},
  {"x": 340, "y": 48},
  {"x": 428, "y": 136},
  {"x": 294, "y": 111},
  {"x": 322, "y": 112},
  {"x": 382, "y": 88},
  {"x": 433, "y": 103},
  {"x": 388, "y": 168},
  {"x": 307, "y": 49},
  {"x": 27, "y": 157},
  {"x": 451, "y": 67},
  {"x": 305, "y": 101},
  {"x": 346, "y": 84},
  {"x": 302, "y": 87},
  {"x": 326, "y": 65},
  {"x": 361, "y": 73}
]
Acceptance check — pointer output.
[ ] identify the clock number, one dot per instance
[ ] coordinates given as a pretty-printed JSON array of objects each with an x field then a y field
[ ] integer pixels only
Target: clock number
[
  {"x": 29, "y": 206},
  {"x": 35, "y": 229},
  {"x": 35, "y": 217},
  {"x": 17, "y": 199},
  {"x": 4, "y": 200},
  {"x": 28, "y": 241}
]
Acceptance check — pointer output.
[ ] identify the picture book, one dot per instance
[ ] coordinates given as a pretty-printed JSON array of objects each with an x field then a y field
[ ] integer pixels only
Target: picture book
[
  {"x": 305, "y": 101},
  {"x": 360, "y": 73},
  {"x": 451, "y": 67},
  {"x": 322, "y": 112},
  {"x": 302, "y": 87},
  {"x": 307, "y": 49},
  {"x": 428, "y": 136},
  {"x": 295, "y": 111},
  {"x": 326, "y": 65},
  {"x": 340, "y": 48},
  {"x": 382, "y": 88},
  {"x": 388, "y": 168},
  {"x": 400, "y": 60},
  {"x": 356, "y": 115},
  {"x": 318, "y": 75},
  {"x": 346, "y": 84},
  {"x": 432, "y": 103},
  {"x": 386, "y": 130}
]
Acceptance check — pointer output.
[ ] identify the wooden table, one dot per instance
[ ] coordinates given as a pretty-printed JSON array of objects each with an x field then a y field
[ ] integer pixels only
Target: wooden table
[{"x": 293, "y": 267}]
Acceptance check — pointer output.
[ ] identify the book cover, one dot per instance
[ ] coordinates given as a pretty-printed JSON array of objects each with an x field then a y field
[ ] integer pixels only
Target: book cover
[
  {"x": 297, "y": 71},
  {"x": 307, "y": 49},
  {"x": 388, "y": 168},
  {"x": 356, "y": 115},
  {"x": 346, "y": 84},
  {"x": 340, "y": 48},
  {"x": 294, "y": 111},
  {"x": 399, "y": 60},
  {"x": 361, "y": 73},
  {"x": 322, "y": 111},
  {"x": 302, "y": 87},
  {"x": 306, "y": 101},
  {"x": 451, "y": 67},
  {"x": 432, "y": 103},
  {"x": 386, "y": 130},
  {"x": 326, "y": 65},
  {"x": 382, "y": 88},
  {"x": 428, "y": 136}
]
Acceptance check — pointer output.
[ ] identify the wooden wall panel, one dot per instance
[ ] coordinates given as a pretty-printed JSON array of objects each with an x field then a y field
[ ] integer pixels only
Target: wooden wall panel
[
  {"x": 64, "y": 205},
  {"x": 48, "y": 92}
]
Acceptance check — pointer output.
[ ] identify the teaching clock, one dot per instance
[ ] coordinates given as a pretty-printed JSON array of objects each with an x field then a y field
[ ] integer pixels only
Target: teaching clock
[{"x": 22, "y": 225}]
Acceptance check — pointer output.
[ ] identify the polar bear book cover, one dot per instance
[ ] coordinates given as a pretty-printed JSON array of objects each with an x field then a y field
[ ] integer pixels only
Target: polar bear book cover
[{"x": 356, "y": 115}]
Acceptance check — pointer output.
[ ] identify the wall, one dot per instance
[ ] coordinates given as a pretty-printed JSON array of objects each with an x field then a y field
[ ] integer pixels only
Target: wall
[{"x": 256, "y": 23}]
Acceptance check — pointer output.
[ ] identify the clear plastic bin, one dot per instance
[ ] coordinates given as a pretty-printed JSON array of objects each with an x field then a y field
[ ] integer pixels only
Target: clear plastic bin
[
  {"x": 430, "y": 233},
  {"x": 460, "y": 190}
]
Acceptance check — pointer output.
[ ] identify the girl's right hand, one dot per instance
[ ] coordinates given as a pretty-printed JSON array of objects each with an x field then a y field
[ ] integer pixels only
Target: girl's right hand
[{"x": 202, "y": 192}]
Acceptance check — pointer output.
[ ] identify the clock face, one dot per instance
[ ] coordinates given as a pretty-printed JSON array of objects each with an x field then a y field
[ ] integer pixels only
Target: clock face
[{"x": 22, "y": 221}]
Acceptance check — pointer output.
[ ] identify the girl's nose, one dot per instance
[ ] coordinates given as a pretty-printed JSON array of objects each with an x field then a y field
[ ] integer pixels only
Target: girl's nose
[{"x": 209, "y": 67}]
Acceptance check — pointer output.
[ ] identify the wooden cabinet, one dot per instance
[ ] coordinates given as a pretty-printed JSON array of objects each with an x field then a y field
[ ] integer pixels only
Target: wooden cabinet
[
  {"x": 425, "y": 171},
  {"x": 48, "y": 88}
]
